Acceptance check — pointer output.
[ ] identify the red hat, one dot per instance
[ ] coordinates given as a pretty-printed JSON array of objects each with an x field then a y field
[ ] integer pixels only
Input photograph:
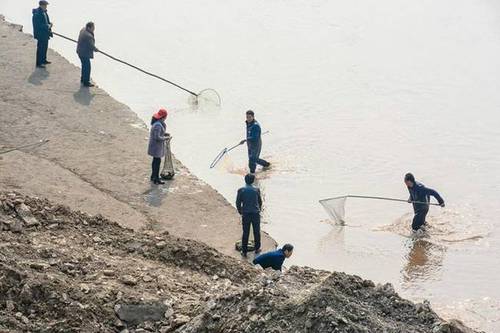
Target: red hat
[{"x": 162, "y": 113}]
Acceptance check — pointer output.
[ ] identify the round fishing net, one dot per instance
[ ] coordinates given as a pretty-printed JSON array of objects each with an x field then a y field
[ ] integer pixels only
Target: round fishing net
[
  {"x": 335, "y": 207},
  {"x": 207, "y": 98}
]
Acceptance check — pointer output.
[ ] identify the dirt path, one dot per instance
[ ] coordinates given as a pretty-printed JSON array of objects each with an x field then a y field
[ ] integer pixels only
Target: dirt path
[{"x": 96, "y": 159}]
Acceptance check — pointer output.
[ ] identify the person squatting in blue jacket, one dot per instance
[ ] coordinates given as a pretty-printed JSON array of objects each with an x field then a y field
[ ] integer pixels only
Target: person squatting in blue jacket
[
  {"x": 420, "y": 197},
  {"x": 254, "y": 143},
  {"x": 274, "y": 259},
  {"x": 249, "y": 205}
]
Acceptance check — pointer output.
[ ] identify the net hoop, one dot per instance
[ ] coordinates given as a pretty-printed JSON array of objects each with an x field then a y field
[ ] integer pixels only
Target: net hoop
[
  {"x": 206, "y": 97},
  {"x": 335, "y": 207},
  {"x": 218, "y": 158}
]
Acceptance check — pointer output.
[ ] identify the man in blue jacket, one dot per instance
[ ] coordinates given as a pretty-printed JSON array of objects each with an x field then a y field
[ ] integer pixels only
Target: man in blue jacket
[
  {"x": 420, "y": 197},
  {"x": 254, "y": 143},
  {"x": 42, "y": 33},
  {"x": 274, "y": 259},
  {"x": 249, "y": 205}
]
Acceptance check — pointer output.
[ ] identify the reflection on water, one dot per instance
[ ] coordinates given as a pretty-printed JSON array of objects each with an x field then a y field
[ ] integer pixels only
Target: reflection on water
[{"x": 423, "y": 260}]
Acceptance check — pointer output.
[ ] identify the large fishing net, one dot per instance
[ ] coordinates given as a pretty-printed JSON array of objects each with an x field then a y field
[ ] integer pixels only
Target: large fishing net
[
  {"x": 207, "y": 98},
  {"x": 335, "y": 207}
]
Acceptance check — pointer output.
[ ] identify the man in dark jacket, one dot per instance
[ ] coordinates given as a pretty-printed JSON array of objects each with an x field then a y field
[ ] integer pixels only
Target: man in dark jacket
[
  {"x": 249, "y": 205},
  {"x": 254, "y": 143},
  {"x": 420, "y": 197},
  {"x": 274, "y": 259},
  {"x": 42, "y": 33},
  {"x": 85, "y": 49}
]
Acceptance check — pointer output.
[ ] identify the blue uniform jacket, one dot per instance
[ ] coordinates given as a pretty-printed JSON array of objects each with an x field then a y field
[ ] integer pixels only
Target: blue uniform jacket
[
  {"x": 421, "y": 193},
  {"x": 248, "y": 200},
  {"x": 272, "y": 259},
  {"x": 254, "y": 141},
  {"x": 41, "y": 24}
]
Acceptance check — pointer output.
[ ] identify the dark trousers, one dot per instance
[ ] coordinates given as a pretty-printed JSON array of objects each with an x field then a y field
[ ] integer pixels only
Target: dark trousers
[
  {"x": 41, "y": 51},
  {"x": 419, "y": 219},
  {"x": 250, "y": 219},
  {"x": 85, "y": 79},
  {"x": 155, "y": 174},
  {"x": 254, "y": 158}
]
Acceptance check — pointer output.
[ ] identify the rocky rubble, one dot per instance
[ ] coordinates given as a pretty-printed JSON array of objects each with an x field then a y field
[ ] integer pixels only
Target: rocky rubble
[{"x": 66, "y": 271}]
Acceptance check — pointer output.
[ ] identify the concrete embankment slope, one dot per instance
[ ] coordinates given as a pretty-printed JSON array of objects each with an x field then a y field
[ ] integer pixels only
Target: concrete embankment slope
[{"x": 96, "y": 159}]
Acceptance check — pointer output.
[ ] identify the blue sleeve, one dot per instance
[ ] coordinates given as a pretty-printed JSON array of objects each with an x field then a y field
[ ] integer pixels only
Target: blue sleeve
[
  {"x": 431, "y": 192},
  {"x": 278, "y": 263},
  {"x": 238, "y": 203},
  {"x": 259, "y": 198}
]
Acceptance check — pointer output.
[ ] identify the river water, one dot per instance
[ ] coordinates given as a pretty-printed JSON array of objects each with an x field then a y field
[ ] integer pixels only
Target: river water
[{"x": 354, "y": 94}]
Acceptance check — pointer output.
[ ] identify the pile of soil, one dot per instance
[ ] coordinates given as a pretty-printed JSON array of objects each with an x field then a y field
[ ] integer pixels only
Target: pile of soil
[{"x": 67, "y": 271}]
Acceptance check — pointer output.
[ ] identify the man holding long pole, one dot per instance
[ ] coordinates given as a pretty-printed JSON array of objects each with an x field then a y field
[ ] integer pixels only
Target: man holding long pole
[
  {"x": 42, "y": 31},
  {"x": 420, "y": 197},
  {"x": 254, "y": 143},
  {"x": 85, "y": 49}
]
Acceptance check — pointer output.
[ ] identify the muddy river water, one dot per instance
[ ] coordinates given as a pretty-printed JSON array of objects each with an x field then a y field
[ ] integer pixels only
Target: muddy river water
[{"x": 354, "y": 94}]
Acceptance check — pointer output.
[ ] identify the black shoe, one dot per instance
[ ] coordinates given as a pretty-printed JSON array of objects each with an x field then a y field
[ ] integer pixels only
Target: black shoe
[
  {"x": 243, "y": 254},
  {"x": 40, "y": 66},
  {"x": 89, "y": 85},
  {"x": 158, "y": 182},
  {"x": 258, "y": 251},
  {"x": 47, "y": 62}
]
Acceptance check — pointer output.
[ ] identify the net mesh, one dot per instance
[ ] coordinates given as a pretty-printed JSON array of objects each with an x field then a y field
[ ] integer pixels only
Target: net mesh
[
  {"x": 207, "y": 98},
  {"x": 335, "y": 207},
  {"x": 168, "y": 165}
]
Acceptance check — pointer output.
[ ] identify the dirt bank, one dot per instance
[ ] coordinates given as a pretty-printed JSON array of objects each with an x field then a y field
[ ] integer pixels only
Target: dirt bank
[
  {"x": 96, "y": 159},
  {"x": 67, "y": 271}
]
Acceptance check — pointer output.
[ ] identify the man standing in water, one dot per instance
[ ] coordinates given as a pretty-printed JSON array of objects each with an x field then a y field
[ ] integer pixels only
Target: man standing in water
[
  {"x": 85, "y": 49},
  {"x": 254, "y": 143},
  {"x": 249, "y": 205},
  {"x": 420, "y": 197},
  {"x": 42, "y": 33}
]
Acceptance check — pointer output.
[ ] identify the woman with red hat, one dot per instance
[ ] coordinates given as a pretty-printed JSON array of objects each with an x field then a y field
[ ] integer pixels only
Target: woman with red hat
[{"x": 156, "y": 148}]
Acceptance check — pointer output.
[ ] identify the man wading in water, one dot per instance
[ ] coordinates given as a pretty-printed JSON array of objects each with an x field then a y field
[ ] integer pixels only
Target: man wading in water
[
  {"x": 254, "y": 143},
  {"x": 420, "y": 196}
]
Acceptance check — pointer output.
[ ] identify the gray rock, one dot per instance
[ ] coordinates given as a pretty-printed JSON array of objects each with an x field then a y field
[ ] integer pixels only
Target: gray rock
[
  {"x": 453, "y": 326},
  {"x": 129, "y": 280},
  {"x": 39, "y": 266},
  {"x": 139, "y": 313},
  {"x": 9, "y": 305},
  {"x": 181, "y": 320},
  {"x": 25, "y": 214}
]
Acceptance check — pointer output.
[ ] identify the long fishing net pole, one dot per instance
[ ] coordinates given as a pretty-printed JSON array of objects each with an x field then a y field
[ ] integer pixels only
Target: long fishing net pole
[
  {"x": 196, "y": 95},
  {"x": 227, "y": 150},
  {"x": 335, "y": 207}
]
